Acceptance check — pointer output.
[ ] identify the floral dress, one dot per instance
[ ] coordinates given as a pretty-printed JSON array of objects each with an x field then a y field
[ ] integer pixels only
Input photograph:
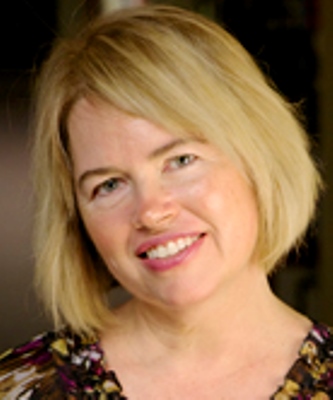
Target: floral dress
[{"x": 62, "y": 365}]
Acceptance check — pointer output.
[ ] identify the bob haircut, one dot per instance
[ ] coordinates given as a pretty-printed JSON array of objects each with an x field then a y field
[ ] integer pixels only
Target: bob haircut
[{"x": 188, "y": 75}]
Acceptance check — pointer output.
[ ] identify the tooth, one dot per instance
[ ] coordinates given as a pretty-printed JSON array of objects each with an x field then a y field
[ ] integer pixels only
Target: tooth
[
  {"x": 161, "y": 252},
  {"x": 172, "y": 248},
  {"x": 181, "y": 244},
  {"x": 153, "y": 253},
  {"x": 188, "y": 241}
]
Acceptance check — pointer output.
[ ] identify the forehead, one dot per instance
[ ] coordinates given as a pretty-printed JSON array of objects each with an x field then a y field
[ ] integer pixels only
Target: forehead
[
  {"x": 91, "y": 111},
  {"x": 96, "y": 126},
  {"x": 91, "y": 116}
]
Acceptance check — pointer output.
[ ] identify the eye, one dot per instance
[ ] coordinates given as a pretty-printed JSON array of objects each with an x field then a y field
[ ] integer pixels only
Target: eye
[
  {"x": 181, "y": 161},
  {"x": 107, "y": 187}
]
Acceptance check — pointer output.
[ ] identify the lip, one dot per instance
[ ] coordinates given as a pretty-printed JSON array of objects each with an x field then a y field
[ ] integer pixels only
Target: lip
[{"x": 164, "y": 264}]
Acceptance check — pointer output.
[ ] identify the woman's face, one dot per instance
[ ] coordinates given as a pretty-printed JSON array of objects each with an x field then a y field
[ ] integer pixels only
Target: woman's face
[{"x": 174, "y": 220}]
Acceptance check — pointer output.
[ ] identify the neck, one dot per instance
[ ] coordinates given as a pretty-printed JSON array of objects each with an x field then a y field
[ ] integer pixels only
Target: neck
[{"x": 215, "y": 326}]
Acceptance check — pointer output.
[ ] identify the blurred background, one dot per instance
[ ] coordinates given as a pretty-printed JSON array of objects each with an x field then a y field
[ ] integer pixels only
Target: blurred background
[{"x": 292, "y": 42}]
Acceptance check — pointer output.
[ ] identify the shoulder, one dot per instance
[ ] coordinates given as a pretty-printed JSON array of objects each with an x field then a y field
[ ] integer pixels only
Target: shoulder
[
  {"x": 312, "y": 374},
  {"x": 53, "y": 365},
  {"x": 319, "y": 343},
  {"x": 28, "y": 369}
]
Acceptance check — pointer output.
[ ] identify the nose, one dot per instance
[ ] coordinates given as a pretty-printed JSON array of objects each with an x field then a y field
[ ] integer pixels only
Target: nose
[{"x": 155, "y": 210}]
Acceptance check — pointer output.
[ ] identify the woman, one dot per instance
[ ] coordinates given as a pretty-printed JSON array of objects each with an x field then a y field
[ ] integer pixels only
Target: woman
[{"x": 166, "y": 163}]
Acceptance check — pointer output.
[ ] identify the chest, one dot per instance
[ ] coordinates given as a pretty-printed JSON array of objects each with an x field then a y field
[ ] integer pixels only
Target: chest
[{"x": 256, "y": 382}]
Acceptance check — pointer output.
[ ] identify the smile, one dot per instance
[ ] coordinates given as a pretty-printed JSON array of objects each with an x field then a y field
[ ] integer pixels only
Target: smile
[{"x": 170, "y": 248}]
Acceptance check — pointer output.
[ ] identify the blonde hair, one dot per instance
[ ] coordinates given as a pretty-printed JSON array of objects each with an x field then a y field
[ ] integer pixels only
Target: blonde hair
[{"x": 186, "y": 73}]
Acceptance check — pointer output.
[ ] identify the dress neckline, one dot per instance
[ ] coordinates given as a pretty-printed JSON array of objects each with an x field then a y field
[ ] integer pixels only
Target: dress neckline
[{"x": 81, "y": 363}]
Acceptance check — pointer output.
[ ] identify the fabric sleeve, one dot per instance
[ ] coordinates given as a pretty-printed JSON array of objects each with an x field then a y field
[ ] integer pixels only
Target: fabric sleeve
[{"x": 28, "y": 371}]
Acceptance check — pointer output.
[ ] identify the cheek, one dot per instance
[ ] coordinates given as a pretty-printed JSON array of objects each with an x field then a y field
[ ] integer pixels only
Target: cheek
[
  {"x": 104, "y": 231},
  {"x": 204, "y": 194},
  {"x": 227, "y": 202},
  {"x": 243, "y": 211}
]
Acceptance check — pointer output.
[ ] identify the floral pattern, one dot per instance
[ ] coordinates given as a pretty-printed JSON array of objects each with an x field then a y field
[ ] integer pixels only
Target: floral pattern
[
  {"x": 311, "y": 376},
  {"x": 63, "y": 365},
  {"x": 57, "y": 366}
]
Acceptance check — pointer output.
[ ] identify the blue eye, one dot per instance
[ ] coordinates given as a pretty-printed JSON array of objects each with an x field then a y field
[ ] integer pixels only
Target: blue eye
[{"x": 107, "y": 187}]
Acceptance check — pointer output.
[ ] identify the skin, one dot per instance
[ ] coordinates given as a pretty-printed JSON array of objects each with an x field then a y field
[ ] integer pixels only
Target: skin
[{"x": 139, "y": 186}]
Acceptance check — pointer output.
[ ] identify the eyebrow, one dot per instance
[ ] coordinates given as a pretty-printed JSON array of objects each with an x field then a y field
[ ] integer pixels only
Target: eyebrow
[
  {"x": 153, "y": 155},
  {"x": 166, "y": 148}
]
